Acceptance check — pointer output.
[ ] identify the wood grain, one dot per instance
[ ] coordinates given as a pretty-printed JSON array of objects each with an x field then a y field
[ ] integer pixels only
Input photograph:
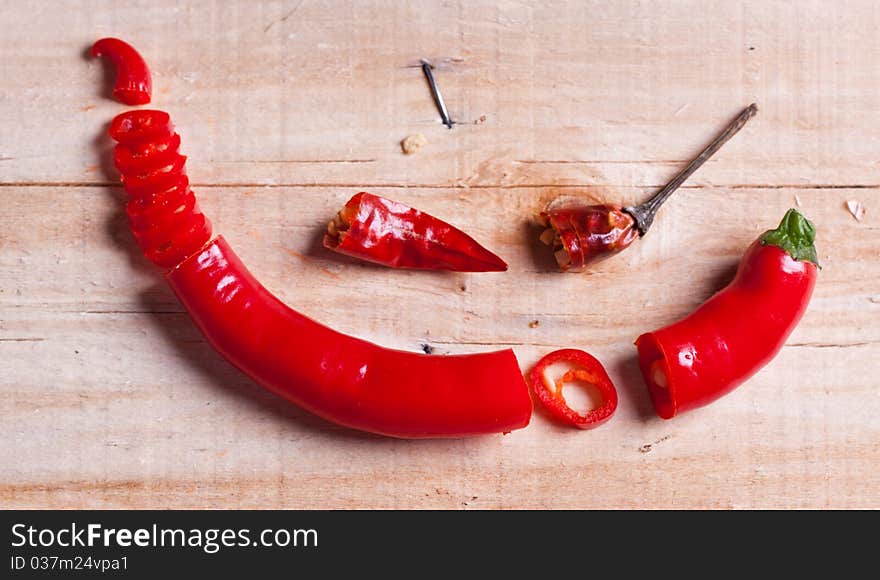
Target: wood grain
[{"x": 111, "y": 398}]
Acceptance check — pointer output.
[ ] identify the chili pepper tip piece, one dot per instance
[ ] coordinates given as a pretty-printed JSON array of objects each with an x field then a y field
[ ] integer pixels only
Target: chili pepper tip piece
[
  {"x": 390, "y": 233},
  {"x": 133, "y": 85}
]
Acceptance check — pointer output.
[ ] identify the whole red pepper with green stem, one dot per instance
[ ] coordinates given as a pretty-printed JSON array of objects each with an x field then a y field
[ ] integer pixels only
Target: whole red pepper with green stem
[
  {"x": 581, "y": 236},
  {"x": 740, "y": 329}
]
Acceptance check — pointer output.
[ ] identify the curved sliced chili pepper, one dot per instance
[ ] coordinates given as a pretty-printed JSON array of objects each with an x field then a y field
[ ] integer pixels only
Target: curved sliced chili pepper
[
  {"x": 586, "y": 369},
  {"x": 343, "y": 379},
  {"x": 133, "y": 83},
  {"x": 164, "y": 216},
  {"x": 392, "y": 234},
  {"x": 584, "y": 235},
  {"x": 737, "y": 331},
  {"x": 136, "y": 158}
]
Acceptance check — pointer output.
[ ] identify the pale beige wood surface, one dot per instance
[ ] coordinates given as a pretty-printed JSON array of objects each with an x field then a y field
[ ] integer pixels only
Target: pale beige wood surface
[{"x": 109, "y": 397}]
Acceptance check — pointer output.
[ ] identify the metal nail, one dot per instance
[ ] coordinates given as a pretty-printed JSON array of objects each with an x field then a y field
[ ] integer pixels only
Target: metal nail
[{"x": 435, "y": 92}]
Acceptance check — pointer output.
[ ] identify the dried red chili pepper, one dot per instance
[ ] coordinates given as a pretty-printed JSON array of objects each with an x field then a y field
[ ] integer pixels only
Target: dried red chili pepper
[
  {"x": 133, "y": 83},
  {"x": 586, "y": 369},
  {"x": 584, "y": 235},
  {"x": 740, "y": 329},
  {"x": 343, "y": 379},
  {"x": 393, "y": 234}
]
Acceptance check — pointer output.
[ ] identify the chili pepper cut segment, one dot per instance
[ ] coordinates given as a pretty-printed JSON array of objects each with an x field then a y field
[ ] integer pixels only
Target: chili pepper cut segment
[
  {"x": 163, "y": 213},
  {"x": 735, "y": 333},
  {"x": 582, "y": 368},
  {"x": 133, "y": 86},
  {"x": 343, "y": 379},
  {"x": 390, "y": 233},
  {"x": 581, "y": 236}
]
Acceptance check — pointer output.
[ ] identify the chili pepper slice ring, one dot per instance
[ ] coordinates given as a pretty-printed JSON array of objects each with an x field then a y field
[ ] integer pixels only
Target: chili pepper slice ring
[{"x": 586, "y": 370}]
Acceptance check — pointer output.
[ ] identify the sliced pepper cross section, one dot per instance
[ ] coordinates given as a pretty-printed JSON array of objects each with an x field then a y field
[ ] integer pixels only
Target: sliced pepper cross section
[{"x": 583, "y": 368}]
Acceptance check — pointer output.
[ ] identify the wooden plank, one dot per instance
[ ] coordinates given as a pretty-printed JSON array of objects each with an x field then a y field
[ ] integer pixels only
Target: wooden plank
[
  {"x": 111, "y": 398},
  {"x": 573, "y": 93},
  {"x": 157, "y": 418}
]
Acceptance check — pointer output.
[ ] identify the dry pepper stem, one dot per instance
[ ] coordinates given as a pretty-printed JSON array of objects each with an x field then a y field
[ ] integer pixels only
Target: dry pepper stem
[{"x": 583, "y": 235}]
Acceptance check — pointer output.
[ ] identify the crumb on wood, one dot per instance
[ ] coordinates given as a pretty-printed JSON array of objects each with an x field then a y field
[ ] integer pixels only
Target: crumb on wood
[
  {"x": 797, "y": 200},
  {"x": 413, "y": 143},
  {"x": 856, "y": 209},
  {"x": 648, "y": 447},
  {"x": 534, "y": 324},
  {"x": 427, "y": 348},
  {"x": 480, "y": 120}
]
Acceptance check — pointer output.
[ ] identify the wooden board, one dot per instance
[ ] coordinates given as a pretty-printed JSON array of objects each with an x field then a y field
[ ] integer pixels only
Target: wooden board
[{"x": 109, "y": 397}]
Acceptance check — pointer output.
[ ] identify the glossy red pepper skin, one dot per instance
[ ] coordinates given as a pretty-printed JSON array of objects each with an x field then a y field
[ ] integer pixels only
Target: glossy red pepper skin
[
  {"x": 343, "y": 379},
  {"x": 162, "y": 210},
  {"x": 586, "y": 369},
  {"x": 393, "y": 234},
  {"x": 346, "y": 380},
  {"x": 134, "y": 85},
  {"x": 592, "y": 233},
  {"x": 731, "y": 336}
]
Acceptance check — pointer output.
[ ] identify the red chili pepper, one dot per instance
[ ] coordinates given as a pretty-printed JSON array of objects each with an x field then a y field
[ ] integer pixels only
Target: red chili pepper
[
  {"x": 343, "y": 379},
  {"x": 740, "y": 329},
  {"x": 584, "y": 235},
  {"x": 585, "y": 369},
  {"x": 392, "y": 234},
  {"x": 133, "y": 84},
  {"x": 163, "y": 213}
]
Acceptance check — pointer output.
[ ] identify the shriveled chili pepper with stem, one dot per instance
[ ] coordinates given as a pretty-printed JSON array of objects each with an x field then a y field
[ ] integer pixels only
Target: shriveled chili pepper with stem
[
  {"x": 584, "y": 235},
  {"x": 735, "y": 333},
  {"x": 390, "y": 233},
  {"x": 343, "y": 379},
  {"x": 583, "y": 368},
  {"x": 134, "y": 85}
]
